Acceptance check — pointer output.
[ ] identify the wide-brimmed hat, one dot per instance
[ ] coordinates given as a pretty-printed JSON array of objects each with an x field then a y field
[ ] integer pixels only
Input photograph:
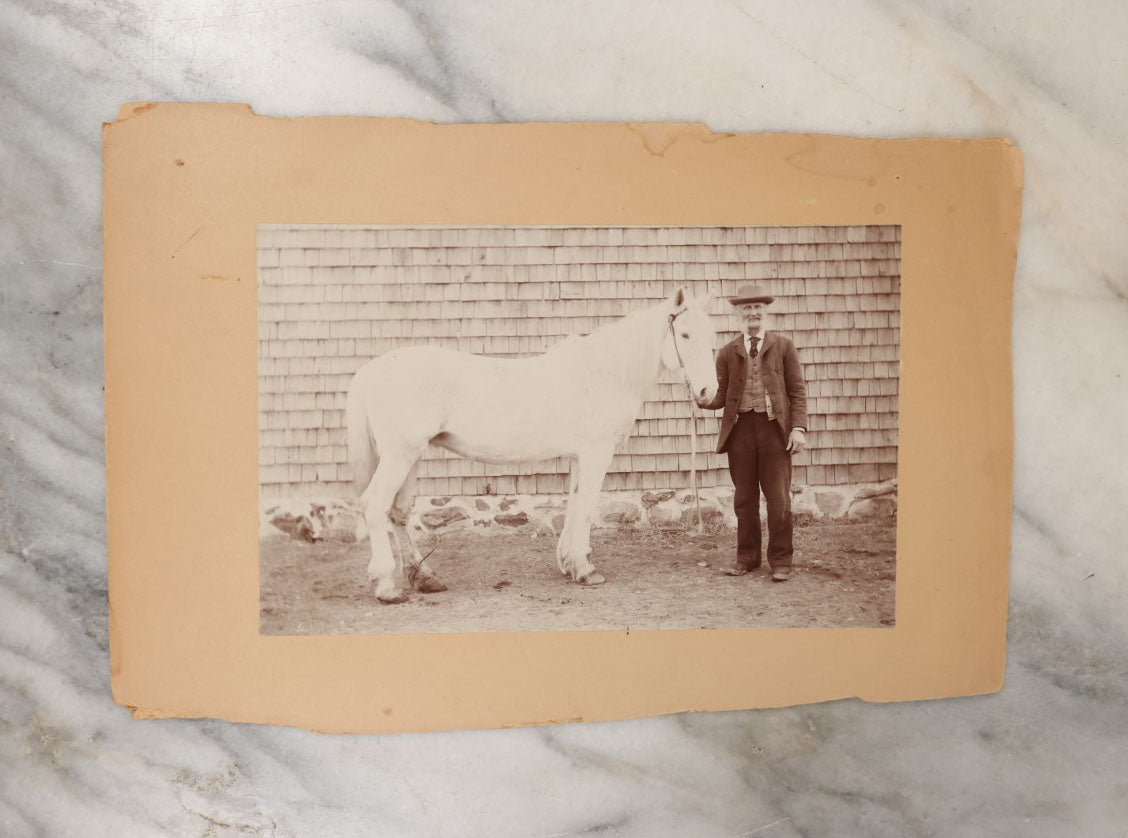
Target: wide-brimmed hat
[{"x": 751, "y": 294}]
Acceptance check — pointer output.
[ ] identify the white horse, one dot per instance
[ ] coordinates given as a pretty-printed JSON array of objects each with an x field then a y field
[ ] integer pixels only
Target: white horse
[{"x": 579, "y": 400}]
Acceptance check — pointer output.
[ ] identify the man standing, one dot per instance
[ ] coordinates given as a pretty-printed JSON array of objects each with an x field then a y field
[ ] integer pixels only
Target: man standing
[{"x": 764, "y": 422}]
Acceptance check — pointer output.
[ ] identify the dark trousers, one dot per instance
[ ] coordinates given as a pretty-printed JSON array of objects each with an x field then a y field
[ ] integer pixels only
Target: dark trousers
[{"x": 758, "y": 459}]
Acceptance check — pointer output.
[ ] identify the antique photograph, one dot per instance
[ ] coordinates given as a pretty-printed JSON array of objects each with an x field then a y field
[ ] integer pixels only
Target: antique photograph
[{"x": 500, "y": 429}]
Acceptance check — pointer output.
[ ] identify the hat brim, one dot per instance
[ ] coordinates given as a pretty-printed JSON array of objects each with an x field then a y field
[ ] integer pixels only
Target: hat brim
[{"x": 739, "y": 301}]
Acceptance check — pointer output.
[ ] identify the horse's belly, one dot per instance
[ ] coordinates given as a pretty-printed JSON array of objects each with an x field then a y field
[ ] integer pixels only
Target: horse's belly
[
  {"x": 492, "y": 447},
  {"x": 535, "y": 428},
  {"x": 511, "y": 424}
]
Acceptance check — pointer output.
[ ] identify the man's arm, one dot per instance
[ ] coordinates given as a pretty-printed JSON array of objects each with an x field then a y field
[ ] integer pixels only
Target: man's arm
[
  {"x": 795, "y": 385},
  {"x": 796, "y": 399},
  {"x": 718, "y": 401}
]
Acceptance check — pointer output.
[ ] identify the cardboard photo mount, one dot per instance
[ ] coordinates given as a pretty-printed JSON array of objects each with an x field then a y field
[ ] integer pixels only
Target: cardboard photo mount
[{"x": 186, "y": 185}]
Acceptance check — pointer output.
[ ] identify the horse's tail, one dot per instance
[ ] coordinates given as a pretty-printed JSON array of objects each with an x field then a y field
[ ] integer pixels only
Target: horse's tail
[{"x": 363, "y": 456}]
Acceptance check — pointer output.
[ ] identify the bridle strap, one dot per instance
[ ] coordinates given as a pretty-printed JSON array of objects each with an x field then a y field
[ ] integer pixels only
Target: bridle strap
[{"x": 674, "y": 316}]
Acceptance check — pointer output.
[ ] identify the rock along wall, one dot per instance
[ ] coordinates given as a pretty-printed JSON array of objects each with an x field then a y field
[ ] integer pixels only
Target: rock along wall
[{"x": 337, "y": 519}]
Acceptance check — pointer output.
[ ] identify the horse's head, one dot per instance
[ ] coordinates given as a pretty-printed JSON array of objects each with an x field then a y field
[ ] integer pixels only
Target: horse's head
[{"x": 688, "y": 344}]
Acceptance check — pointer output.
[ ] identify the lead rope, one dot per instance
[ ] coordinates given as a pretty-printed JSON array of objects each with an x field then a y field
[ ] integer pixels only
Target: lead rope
[
  {"x": 693, "y": 432},
  {"x": 693, "y": 459}
]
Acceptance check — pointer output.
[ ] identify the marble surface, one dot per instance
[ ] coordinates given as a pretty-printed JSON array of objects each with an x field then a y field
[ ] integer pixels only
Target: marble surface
[{"x": 1047, "y": 756}]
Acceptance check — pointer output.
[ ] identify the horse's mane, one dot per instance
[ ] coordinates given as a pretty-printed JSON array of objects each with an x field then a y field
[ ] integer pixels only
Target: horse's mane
[{"x": 628, "y": 349}]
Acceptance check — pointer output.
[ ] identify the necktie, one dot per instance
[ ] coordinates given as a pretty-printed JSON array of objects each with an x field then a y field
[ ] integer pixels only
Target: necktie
[{"x": 752, "y": 340}]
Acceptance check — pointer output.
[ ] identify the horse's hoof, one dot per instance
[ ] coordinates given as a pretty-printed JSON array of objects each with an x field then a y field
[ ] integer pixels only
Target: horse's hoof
[
  {"x": 392, "y": 597},
  {"x": 429, "y": 585},
  {"x": 592, "y": 578}
]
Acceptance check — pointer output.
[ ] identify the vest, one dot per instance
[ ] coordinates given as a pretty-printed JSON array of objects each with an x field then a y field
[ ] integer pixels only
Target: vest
[{"x": 753, "y": 397}]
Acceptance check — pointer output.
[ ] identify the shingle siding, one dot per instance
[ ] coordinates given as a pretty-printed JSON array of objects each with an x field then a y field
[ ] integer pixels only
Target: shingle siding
[{"x": 330, "y": 298}]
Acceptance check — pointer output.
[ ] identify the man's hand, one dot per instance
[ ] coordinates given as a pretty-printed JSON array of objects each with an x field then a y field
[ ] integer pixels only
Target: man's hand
[{"x": 797, "y": 441}]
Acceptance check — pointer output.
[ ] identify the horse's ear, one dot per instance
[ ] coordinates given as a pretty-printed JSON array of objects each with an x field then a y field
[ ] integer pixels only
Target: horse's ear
[{"x": 683, "y": 299}]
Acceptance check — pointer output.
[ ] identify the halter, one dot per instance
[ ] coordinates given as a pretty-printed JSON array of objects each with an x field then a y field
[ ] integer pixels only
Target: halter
[
  {"x": 674, "y": 316},
  {"x": 693, "y": 418}
]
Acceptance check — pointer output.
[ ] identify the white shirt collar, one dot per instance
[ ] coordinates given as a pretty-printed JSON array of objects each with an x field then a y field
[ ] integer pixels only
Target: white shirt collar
[{"x": 760, "y": 344}]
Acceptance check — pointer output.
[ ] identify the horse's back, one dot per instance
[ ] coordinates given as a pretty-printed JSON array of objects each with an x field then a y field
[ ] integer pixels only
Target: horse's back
[
  {"x": 423, "y": 384},
  {"x": 484, "y": 407},
  {"x": 429, "y": 366}
]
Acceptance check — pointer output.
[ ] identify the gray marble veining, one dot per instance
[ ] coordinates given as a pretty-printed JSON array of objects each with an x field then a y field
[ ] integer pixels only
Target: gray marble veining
[{"x": 1048, "y": 756}]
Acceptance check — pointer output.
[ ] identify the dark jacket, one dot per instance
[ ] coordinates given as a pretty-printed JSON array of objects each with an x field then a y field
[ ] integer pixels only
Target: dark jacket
[{"x": 782, "y": 377}]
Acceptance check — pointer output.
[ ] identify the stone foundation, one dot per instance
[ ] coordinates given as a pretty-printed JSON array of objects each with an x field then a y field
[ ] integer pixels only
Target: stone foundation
[{"x": 543, "y": 515}]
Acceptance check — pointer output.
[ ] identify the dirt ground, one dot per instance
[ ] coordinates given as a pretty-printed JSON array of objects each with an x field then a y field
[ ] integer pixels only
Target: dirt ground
[{"x": 843, "y": 577}]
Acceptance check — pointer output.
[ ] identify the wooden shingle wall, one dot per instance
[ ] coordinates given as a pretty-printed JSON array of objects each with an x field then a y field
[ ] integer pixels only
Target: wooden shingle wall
[{"x": 330, "y": 298}]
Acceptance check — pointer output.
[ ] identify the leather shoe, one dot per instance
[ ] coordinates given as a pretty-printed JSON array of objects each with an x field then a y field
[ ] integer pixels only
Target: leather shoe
[
  {"x": 781, "y": 574},
  {"x": 738, "y": 570}
]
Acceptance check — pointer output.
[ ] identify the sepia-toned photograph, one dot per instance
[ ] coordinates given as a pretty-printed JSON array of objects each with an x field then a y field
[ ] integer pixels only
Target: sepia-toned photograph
[{"x": 506, "y": 429}]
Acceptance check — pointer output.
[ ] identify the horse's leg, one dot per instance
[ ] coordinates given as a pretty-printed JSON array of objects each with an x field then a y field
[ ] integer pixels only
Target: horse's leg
[
  {"x": 377, "y": 501},
  {"x": 576, "y": 548},
  {"x": 415, "y": 568},
  {"x": 564, "y": 543}
]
